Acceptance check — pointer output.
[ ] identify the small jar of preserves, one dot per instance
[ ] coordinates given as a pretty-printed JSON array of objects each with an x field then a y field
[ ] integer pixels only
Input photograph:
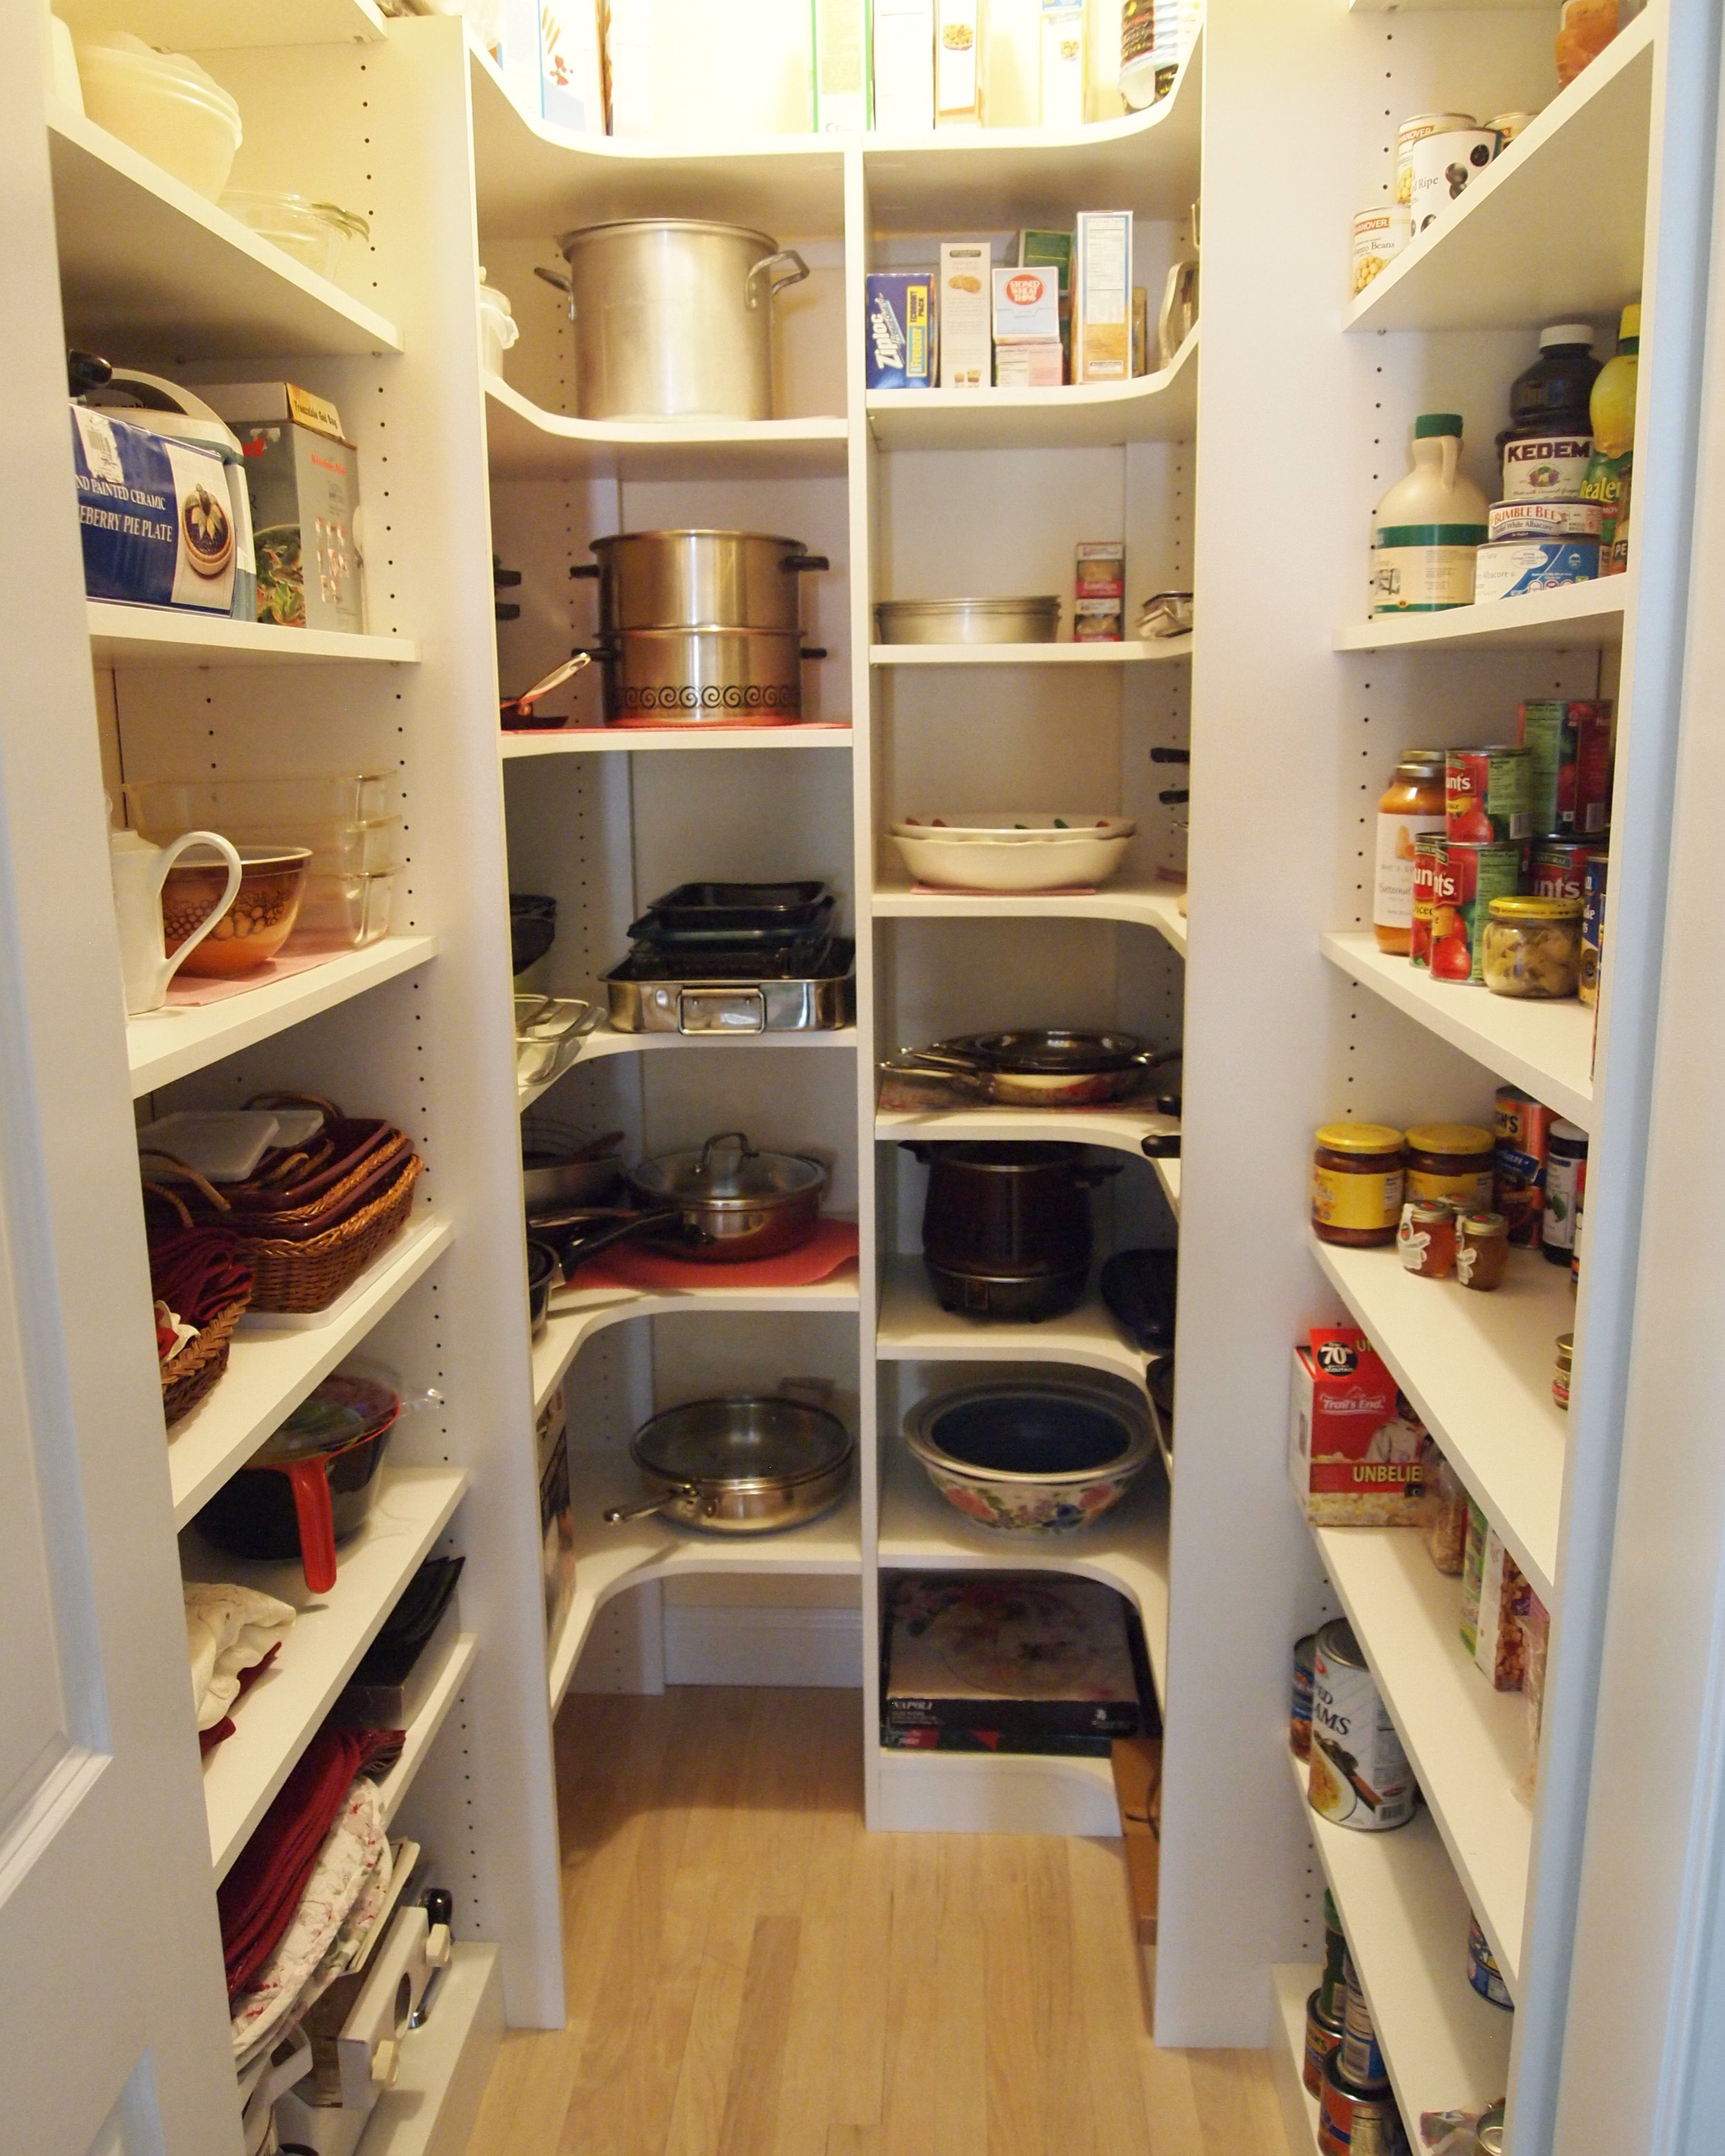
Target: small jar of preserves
[
  {"x": 1481, "y": 1249},
  {"x": 1411, "y": 806},
  {"x": 1532, "y": 947},
  {"x": 1356, "y": 1184},
  {"x": 1560, "y": 1382},
  {"x": 1454, "y": 1161},
  {"x": 1426, "y": 1238}
]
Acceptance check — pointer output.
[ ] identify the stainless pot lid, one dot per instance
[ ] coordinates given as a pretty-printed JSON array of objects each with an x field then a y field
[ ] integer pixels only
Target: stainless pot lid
[
  {"x": 617, "y": 225},
  {"x": 1049, "y": 1051},
  {"x": 1041, "y": 603},
  {"x": 742, "y": 1438},
  {"x": 693, "y": 531},
  {"x": 728, "y": 1171}
]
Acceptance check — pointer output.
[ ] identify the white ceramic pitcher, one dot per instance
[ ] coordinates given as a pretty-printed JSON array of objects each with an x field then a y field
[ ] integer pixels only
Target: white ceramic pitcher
[{"x": 140, "y": 870}]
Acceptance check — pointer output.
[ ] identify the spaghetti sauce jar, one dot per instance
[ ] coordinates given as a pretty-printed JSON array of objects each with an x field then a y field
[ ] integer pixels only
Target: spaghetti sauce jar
[
  {"x": 1411, "y": 806},
  {"x": 1453, "y": 1161},
  {"x": 1356, "y": 1184}
]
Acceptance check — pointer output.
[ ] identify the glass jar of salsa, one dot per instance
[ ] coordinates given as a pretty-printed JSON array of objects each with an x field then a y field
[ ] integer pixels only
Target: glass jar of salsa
[
  {"x": 1356, "y": 1184},
  {"x": 1454, "y": 1161}
]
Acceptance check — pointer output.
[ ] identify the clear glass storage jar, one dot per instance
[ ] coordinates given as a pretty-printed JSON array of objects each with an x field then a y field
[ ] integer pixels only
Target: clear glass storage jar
[{"x": 1532, "y": 947}]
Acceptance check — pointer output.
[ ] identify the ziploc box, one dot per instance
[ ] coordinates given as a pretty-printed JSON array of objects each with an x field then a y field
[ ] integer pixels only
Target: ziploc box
[
  {"x": 1102, "y": 297},
  {"x": 303, "y": 477},
  {"x": 153, "y": 514},
  {"x": 901, "y": 328},
  {"x": 1353, "y": 1443},
  {"x": 967, "y": 356}
]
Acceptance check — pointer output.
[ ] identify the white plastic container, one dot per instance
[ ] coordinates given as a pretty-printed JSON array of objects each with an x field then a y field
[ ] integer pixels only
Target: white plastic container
[
  {"x": 327, "y": 241},
  {"x": 498, "y": 326},
  {"x": 164, "y": 106},
  {"x": 1429, "y": 528}
]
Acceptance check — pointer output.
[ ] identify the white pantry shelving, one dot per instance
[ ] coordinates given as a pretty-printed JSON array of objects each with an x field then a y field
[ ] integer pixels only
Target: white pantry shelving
[
  {"x": 430, "y": 2107},
  {"x": 525, "y": 442},
  {"x": 1131, "y": 651},
  {"x": 1152, "y": 408},
  {"x": 153, "y": 636},
  {"x": 1121, "y": 1130},
  {"x": 1587, "y": 616},
  {"x": 646, "y": 741},
  {"x": 421, "y": 1732},
  {"x": 1292, "y": 1984},
  {"x": 1547, "y": 1047},
  {"x": 1147, "y": 906},
  {"x": 200, "y": 26},
  {"x": 912, "y": 1327}
]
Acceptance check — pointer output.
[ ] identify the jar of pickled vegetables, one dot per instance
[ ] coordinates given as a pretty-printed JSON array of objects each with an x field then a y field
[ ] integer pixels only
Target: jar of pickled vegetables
[{"x": 1532, "y": 947}]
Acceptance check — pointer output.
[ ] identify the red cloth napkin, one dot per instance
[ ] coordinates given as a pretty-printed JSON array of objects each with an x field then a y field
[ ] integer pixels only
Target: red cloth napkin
[
  {"x": 218, "y": 1732},
  {"x": 833, "y": 1245}
]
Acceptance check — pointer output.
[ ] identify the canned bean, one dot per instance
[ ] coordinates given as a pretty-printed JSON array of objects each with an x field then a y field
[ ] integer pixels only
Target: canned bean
[
  {"x": 1428, "y": 851},
  {"x": 1569, "y": 784},
  {"x": 1380, "y": 235},
  {"x": 1323, "y": 2035},
  {"x": 1559, "y": 867},
  {"x": 1483, "y": 1973},
  {"x": 1469, "y": 877},
  {"x": 1593, "y": 925},
  {"x": 1487, "y": 794},
  {"x": 1357, "y": 2122},
  {"x": 1360, "y": 1777}
]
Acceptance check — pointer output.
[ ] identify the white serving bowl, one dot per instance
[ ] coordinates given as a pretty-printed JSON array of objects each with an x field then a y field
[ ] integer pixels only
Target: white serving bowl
[
  {"x": 1008, "y": 863},
  {"x": 164, "y": 106},
  {"x": 1049, "y": 830}
]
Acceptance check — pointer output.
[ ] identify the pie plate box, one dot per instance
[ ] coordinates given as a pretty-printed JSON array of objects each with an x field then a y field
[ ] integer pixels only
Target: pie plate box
[
  {"x": 1353, "y": 1443},
  {"x": 153, "y": 514},
  {"x": 302, "y": 475}
]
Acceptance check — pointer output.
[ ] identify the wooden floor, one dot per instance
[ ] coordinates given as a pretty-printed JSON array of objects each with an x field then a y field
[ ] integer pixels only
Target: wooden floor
[{"x": 751, "y": 1973}]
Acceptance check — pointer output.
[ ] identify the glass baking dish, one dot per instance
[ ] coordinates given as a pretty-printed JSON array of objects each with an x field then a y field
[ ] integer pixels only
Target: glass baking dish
[
  {"x": 343, "y": 912},
  {"x": 174, "y": 805}
]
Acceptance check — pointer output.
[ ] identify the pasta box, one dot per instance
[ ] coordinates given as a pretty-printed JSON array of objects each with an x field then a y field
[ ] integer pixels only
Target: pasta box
[
  {"x": 1353, "y": 1443},
  {"x": 153, "y": 514},
  {"x": 302, "y": 476}
]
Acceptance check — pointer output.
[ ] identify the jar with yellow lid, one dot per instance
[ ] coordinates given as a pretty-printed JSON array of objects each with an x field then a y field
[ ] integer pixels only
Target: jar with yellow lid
[
  {"x": 1356, "y": 1184},
  {"x": 1532, "y": 947},
  {"x": 1454, "y": 1161}
]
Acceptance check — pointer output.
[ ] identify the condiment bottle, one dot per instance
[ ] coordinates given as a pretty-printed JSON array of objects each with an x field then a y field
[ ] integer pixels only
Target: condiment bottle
[
  {"x": 1612, "y": 409},
  {"x": 1565, "y": 1180},
  {"x": 1425, "y": 1240},
  {"x": 1455, "y": 1162},
  {"x": 1411, "y": 806},
  {"x": 1428, "y": 527},
  {"x": 1356, "y": 1184},
  {"x": 1481, "y": 1249},
  {"x": 1560, "y": 1382}
]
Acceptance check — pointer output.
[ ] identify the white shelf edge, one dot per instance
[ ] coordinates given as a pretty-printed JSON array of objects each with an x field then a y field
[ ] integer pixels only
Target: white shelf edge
[
  {"x": 645, "y": 741},
  {"x": 423, "y": 1731},
  {"x": 1514, "y": 1037},
  {"x": 1138, "y": 906},
  {"x": 995, "y": 1793},
  {"x": 623, "y": 435},
  {"x": 607, "y": 1042},
  {"x": 1167, "y": 1175},
  {"x": 912, "y": 1327},
  {"x": 241, "y": 1776},
  {"x": 1120, "y": 1130},
  {"x": 301, "y": 1359},
  {"x": 1292, "y": 1983},
  {"x": 164, "y": 1046},
  {"x": 953, "y": 414},
  {"x": 121, "y": 635},
  {"x": 1579, "y": 615},
  {"x": 1130, "y": 651}
]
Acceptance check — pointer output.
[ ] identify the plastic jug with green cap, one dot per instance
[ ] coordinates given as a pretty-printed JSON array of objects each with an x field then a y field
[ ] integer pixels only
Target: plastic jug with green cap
[{"x": 1429, "y": 526}]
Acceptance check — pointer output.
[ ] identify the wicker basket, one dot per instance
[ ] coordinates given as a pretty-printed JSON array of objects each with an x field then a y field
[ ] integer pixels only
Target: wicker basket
[
  {"x": 189, "y": 1376},
  {"x": 297, "y": 1278}
]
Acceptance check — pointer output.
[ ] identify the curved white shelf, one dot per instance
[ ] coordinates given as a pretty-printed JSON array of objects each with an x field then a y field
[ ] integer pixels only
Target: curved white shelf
[
  {"x": 1148, "y": 905},
  {"x": 1547, "y": 1047},
  {"x": 1406, "y": 1917},
  {"x": 1130, "y": 651},
  {"x": 1167, "y": 1175},
  {"x": 524, "y": 441},
  {"x": 1120, "y": 1130},
  {"x": 277, "y": 1718},
  {"x": 583, "y": 1312},
  {"x": 204, "y": 26},
  {"x": 1478, "y": 1371},
  {"x": 146, "y": 262},
  {"x": 1127, "y": 1549},
  {"x": 1572, "y": 617},
  {"x": 912, "y": 1327},
  {"x": 609, "y": 1560},
  {"x": 1293, "y": 1983},
  {"x": 1467, "y": 1743},
  {"x": 1578, "y": 177},
  {"x": 166, "y": 1045},
  {"x": 994, "y": 1793},
  {"x": 161, "y": 636},
  {"x": 604, "y": 1041},
  {"x": 423, "y": 1731},
  {"x": 1152, "y": 408},
  {"x": 644, "y": 741},
  {"x": 269, "y": 1373}
]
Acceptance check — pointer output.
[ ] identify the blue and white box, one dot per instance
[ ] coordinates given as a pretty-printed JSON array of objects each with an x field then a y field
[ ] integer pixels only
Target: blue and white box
[
  {"x": 154, "y": 515},
  {"x": 1510, "y": 567},
  {"x": 901, "y": 328}
]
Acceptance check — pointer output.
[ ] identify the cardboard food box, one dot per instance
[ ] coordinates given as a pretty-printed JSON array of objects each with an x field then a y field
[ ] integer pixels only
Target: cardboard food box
[
  {"x": 1039, "y": 249},
  {"x": 154, "y": 516},
  {"x": 1354, "y": 1442},
  {"x": 1062, "y": 72},
  {"x": 302, "y": 475},
  {"x": 900, "y": 329},
  {"x": 1029, "y": 366},
  {"x": 1101, "y": 296},
  {"x": 966, "y": 351},
  {"x": 1505, "y": 1602},
  {"x": 1138, "y": 1790},
  {"x": 904, "y": 66},
  {"x": 1027, "y": 307},
  {"x": 842, "y": 75},
  {"x": 550, "y": 54},
  {"x": 959, "y": 28}
]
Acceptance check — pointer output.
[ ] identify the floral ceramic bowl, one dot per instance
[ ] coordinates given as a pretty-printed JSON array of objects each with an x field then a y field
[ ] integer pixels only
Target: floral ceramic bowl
[{"x": 1031, "y": 1456}]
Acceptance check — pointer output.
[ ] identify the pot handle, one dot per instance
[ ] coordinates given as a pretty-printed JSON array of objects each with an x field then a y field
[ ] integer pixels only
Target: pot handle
[
  {"x": 795, "y": 276},
  {"x": 813, "y": 651},
  {"x": 615, "y": 1515},
  {"x": 574, "y": 1246},
  {"x": 563, "y": 284},
  {"x": 1090, "y": 1178},
  {"x": 310, "y": 1482},
  {"x": 585, "y": 569},
  {"x": 1162, "y": 1145},
  {"x": 796, "y": 564}
]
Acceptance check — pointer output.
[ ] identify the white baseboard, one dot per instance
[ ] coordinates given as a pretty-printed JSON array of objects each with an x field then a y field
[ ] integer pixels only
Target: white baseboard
[{"x": 734, "y": 1644}]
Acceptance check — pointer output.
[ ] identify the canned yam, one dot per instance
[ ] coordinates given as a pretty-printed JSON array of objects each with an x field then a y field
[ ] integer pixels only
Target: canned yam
[
  {"x": 1362, "y": 2065},
  {"x": 1360, "y": 1777}
]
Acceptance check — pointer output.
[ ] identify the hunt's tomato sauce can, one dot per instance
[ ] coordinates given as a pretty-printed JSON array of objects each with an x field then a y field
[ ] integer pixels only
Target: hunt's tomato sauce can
[
  {"x": 1569, "y": 787},
  {"x": 1560, "y": 867},
  {"x": 1488, "y": 793},
  {"x": 1469, "y": 876},
  {"x": 1428, "y": 852}
]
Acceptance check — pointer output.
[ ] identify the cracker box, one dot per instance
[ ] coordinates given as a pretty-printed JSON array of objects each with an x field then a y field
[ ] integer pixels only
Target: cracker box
[
  {"x": 302, "y": 475},
  {"x": 1102, "y": 297},
  {"x": 1353, "y": 1443},
  {"x": 967, "y": 355},
  {"x": 153, "y": 514},
  {"x": 1027, "y": 307},
  {"x": 900, "y": 329}
]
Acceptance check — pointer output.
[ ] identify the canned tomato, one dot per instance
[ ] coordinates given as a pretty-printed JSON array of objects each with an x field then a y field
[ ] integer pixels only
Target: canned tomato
[
  {"x": 1323, "y": 2037},
  {"x": 1483, "y": 1973},
  {"x": 1362, "y": 2065},
  {"x": 1360, "y": 1776},
  {"x": 1569, "y": 779},
  {"x": 1559, "y": 867},
  {"x": 1593, "y": 925},
  {"x": 1469, "y": 877},
  {"x": 1357, "y": 2122},
  {"x": 1487, "y": 794},
  {"x": 1428, "y": 851},
  {"x": 1300, "y": 1713}
]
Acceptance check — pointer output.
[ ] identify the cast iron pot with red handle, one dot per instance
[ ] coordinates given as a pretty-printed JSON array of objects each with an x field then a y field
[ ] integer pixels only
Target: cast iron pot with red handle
[{"x": 1006, "y": 1230}]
